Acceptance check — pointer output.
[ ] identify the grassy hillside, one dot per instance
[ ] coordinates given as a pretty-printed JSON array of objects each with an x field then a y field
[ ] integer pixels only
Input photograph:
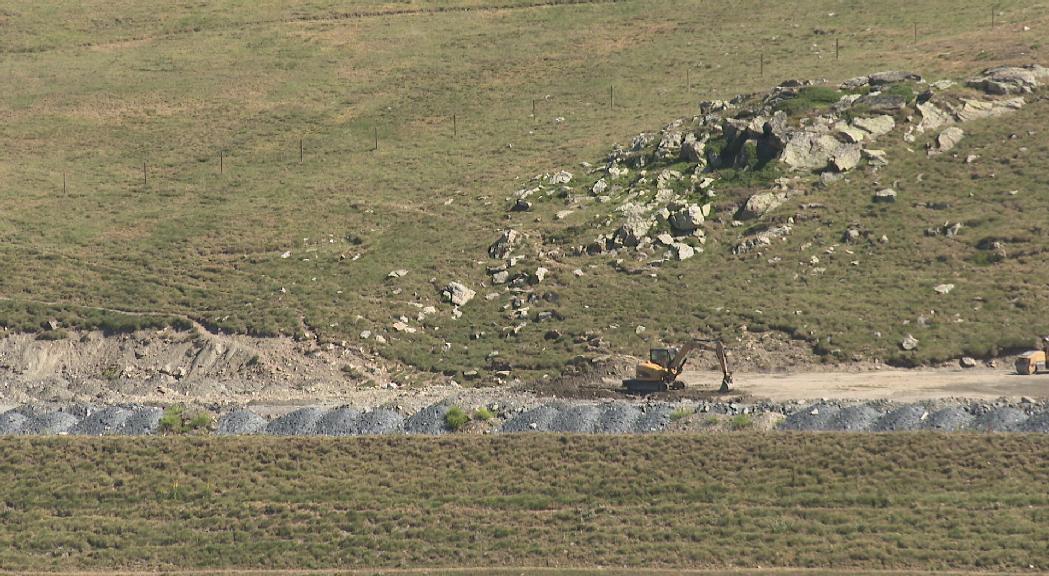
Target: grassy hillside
[
  {"x": 965, "y": 502},
  {"x": 132, "y": 108}
]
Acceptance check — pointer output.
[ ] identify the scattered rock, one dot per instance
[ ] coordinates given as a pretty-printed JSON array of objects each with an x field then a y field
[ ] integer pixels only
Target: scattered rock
[
  {"x": 241, "y": 421},
  {"x": 683, "y": 251},
  {"x": 562, "y": 177},
  {"x": 943, "y": 288},
  {"x": 458, "y": 294},
  {"x": 947, "y": 140},
  {"x": 886, "y": 195},
  {"x": 688, "y": 219},
  {"x": 506, "y": 243},
  {"x": 892, "y": 77},
  {"x": 909, "y": 343},
  {"x": 968, "y": 362},
  {"x": 909, "y": 417},
  {"x": 103, "y": 422},
  {"x": 429, "y": 420},
  {"x": 876, "y": 126},
  {"x": 1005, "y": 80},
  {"x": 300, "y": 422},
  {"x": 761, "y": 203},
  {"x": 12, "y": 422}
]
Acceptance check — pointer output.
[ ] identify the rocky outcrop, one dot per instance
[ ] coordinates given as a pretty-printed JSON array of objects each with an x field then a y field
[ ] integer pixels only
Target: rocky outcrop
[
  {"x": 652, "y": 205},
  {"x": 1006, "y": 80}
]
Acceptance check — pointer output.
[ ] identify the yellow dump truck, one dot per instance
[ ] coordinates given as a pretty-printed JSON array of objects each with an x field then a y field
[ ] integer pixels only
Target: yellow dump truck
[{"x": 1031, "y": 362}]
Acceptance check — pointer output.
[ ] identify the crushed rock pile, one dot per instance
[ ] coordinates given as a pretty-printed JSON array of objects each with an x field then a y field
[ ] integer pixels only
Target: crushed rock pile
[{"x": 561, "y": 416}]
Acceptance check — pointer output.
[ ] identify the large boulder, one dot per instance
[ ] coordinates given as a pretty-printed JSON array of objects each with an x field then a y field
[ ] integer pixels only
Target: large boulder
[
  {"x": 1004, "y": 80},
  {"x": 855, "y": 83},
  {"x": 882, "y": 103},
  {"x": 506, "y": 243},
  {"x": 876, "y": 126},
  {"x": 847, "y": 158},
  {"x": 682, "y": 251},
  {"x": 932, "y": 117},
  {"x": 693, "y": 149},
  {"x": 687, "y": 219},
  {"x": 810, "y": 149},
  {"x": 892, "y": 77},
  {"x": 670, "y": 142},
  {"x": 947, "y": 140},
  {"x": 636, "y": 224},
  {"x": 887, "y": 195},
  {"x": 458, "y": 294},
  {"x": 761, "y": 203},
  {"x": 562, "y": 177},
  {"x": 978, "y": 109}
]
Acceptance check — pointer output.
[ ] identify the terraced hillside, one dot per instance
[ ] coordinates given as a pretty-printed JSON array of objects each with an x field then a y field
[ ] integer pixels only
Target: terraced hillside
[{"x": 264, "y": 169}]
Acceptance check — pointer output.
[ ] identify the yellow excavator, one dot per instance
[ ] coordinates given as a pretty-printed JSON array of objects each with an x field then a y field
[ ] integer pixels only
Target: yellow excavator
[{"x": 664, "y": 366}]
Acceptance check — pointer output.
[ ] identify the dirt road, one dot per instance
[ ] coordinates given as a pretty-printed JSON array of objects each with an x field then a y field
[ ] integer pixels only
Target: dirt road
[{"x": 886, "y": 384}]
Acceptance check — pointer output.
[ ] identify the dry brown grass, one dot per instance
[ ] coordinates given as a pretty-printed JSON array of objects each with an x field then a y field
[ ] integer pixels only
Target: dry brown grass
[{"x": 836, "y": 502}]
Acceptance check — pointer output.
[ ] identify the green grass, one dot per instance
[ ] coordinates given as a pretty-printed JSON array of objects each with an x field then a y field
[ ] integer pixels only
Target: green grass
[
  {"x": 741, "y": 422},
  {"x": 93, "y": 94},
  {"x": 456, "y": 418},
  {"x": 810, "y": 98},
  {"x": 681, "y": 412},
  {"x": 842, "y": 501},
  {"x": 176, "y": 420}
]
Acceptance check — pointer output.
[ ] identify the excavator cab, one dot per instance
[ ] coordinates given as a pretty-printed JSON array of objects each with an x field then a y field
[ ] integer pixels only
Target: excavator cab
[{"x": 662, "y": 356}]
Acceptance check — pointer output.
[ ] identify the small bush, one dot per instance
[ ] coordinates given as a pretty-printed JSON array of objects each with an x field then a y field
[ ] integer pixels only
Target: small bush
[
  {"x": 352, "y": 372},
  {"x": 483, "y": 414},
  {"x": 176, "y": 421},
  {"x": 455, "y": 419},
  {"x": 171, "y": 421},
  {"x": 58, "y": 334},
  {"x": 741, "y": 422},
  {"x": 681, "y": 412},
  {"x": 201, "y": 421},
  {"x": 111, "y": 372}
]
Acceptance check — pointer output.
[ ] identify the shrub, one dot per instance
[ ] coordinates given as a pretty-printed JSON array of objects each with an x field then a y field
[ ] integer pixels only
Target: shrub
[
  {"x": 681, "y": 412},
  {"x": 352, "y": 372},
  {"x": 111, "y": 372},
  {"x": 455, "y": 418},
  {"x": 483, "y": 414},
  {"x": 741, "y": 422},
  {"x": 201, "y": 421},
  {"x": 176, "y": 421},
  {"x": 58, "y": 334},
  {"x": 171, "y": 421}
]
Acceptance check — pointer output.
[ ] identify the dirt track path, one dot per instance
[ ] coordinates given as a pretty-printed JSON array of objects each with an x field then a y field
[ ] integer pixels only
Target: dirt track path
[{"x": 887, "y": 384}]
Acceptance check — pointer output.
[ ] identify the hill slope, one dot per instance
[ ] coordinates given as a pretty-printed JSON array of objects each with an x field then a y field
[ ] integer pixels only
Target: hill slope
[{"x": 153, "y": 165}]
